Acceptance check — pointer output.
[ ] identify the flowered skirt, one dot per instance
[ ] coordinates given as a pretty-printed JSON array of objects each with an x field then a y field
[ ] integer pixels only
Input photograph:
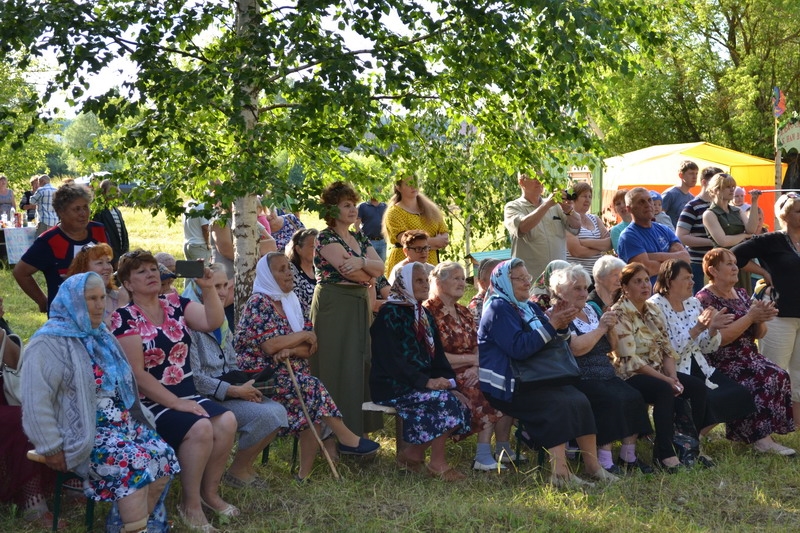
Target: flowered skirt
[
  {"x": 318, "y": 402},
  {"x": 126, "y": 455},
  {"x": 427, "y": 415}
]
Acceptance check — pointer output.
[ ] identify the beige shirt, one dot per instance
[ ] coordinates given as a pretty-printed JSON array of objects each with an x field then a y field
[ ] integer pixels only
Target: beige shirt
[
  {"x": 545, "y": 242},
  {"x": 642, "y": 338}
]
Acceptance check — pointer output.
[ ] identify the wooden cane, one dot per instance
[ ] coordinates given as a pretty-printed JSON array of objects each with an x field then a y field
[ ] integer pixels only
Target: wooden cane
[{"x": 308, "y": 419}]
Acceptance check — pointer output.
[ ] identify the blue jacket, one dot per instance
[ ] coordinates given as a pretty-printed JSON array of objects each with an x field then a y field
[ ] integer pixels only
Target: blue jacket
[{"x": 502, "y": 335}]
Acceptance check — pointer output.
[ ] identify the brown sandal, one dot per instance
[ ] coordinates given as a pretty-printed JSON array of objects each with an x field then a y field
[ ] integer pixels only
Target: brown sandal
[
  {"x": 410, "y": 465},
  {"x": 451, "y": 474}
]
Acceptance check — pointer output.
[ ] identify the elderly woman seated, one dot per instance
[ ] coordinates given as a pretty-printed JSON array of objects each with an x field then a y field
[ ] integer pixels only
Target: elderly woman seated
[
  {"x": 619, "y": 410},
  {"x": 540, "y": 291},
  {"x": 272, "y": 333},
  {"x": 606, "y": 273},
  {"x": 411, "y": 373},
  {"x": 213, "y": 359},
  {"x": 645, "y": 359},
  {"x": 738, "y": 357},
  {"x": 81, "y": 407},
  {"x": 459, "y": 334},
  {"x": 514, "y": 336},
  {"x": 694, "y": 331}
]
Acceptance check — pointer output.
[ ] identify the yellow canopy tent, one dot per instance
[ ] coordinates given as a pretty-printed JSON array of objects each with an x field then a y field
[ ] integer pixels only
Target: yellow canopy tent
[{"x": 656, "y": 168}]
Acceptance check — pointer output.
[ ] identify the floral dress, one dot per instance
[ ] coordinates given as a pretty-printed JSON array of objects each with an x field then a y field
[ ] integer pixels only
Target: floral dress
[
  {"x": 166, "y": 358},
  {"x": 260, "y": 322},
  {"x": 126, "y": 455},
  {"x": 291, "y": 225},
  {"x": 766, "y": 381},
  {"x": 459, "y": 335},
  {"x": 303, "y": 287}
]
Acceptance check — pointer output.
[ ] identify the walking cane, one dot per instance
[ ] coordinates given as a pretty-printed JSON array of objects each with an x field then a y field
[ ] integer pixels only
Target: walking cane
[{"x": 308, "y": 419}]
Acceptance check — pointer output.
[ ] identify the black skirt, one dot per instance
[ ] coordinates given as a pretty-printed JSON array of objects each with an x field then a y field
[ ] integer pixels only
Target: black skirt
[
  {"x": 728, "y": 402},
  {"x": 551, "y": 414},
  {"x": 619, "y": 409}
]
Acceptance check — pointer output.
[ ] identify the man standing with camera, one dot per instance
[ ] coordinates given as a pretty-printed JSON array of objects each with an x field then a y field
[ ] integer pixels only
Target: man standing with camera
[{"x": 537, "y": 225}]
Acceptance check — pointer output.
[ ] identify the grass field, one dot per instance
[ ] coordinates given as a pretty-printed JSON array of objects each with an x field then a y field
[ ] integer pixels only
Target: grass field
[{"x": 744, "y": 492}]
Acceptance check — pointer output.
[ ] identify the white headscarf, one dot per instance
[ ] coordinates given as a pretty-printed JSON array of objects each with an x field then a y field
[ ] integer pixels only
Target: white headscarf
[{"x": 265, "y": 284}]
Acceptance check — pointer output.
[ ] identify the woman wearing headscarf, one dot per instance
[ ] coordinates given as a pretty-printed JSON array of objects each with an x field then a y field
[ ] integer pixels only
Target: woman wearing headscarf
[
  {"x": 540, "y": 291},
  {"x": 273, "y": 329},
  {"x": 411, "y": 373},
  {"x": 553, "y": 411},
  {"x": 81, "y": 408}
]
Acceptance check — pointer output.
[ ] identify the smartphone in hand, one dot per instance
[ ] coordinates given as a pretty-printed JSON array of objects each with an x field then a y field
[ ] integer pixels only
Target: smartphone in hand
[{"x": 189, "y": 269}]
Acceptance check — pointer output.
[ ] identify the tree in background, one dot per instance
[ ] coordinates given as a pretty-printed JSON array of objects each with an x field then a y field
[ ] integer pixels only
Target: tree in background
[
  {"x": 713, "y": 80},
  {"x": 222, "y": 87}
]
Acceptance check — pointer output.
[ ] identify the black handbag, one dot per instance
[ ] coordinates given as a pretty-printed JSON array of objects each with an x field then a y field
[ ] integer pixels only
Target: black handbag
[{"x": 553, "y": 362}]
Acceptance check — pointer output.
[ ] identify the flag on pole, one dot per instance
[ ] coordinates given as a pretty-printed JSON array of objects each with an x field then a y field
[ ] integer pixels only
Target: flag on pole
[{"x": 778, "y": 102}]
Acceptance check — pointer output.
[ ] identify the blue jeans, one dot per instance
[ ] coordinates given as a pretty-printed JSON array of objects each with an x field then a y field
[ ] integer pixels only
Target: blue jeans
[{"x": 380, "y": 247}]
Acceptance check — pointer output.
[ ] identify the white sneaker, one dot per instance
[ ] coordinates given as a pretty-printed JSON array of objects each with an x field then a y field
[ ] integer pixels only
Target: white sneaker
[
  {"x": 476, "y": 465},
  {"x": 507, "y": 457}
]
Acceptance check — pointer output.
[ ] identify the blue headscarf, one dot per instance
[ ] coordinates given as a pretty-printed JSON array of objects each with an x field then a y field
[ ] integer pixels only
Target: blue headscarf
[
  {"x": 501, "y": 288},
  {"x": 69, "y": 317}
]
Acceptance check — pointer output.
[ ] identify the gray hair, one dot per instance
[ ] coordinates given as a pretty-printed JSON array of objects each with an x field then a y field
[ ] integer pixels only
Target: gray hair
[
  {"x": 633, "y": 192},
  {"x": 606, "y": 265},
  {"x": 94, "y": 281},
  {"x": 783, "y": 205},
  {"x": 67, "y": 194},
  {"x": 567, "y": 276},
  {"x": 442, "y": 271}
]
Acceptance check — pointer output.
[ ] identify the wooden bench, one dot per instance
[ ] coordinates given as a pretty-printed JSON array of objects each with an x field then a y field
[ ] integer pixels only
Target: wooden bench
[
  {"x": 61, "y": 479},
  {"x": 399, "y": 443}
]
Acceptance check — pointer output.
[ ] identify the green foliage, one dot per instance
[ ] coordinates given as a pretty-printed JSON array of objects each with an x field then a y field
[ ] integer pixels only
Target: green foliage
[{"x": 712, "y": 82}]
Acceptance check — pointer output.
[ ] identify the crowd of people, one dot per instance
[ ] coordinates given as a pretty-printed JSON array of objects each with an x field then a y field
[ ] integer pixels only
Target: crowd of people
[{"x": 144, "y": 383}]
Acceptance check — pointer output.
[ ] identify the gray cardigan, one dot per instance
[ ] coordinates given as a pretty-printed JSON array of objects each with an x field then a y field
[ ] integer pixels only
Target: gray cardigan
[
  {"x": 209, "y": 361},
  {"x": 59, "y": 402}
]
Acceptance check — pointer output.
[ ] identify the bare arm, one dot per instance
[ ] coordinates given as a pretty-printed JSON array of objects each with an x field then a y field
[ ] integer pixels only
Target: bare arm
[
  {"x": 300, "y": 342},
  {"x": 439, "y": 241},
  {"x": 714, "y": 229},
  {"x": 204, "y": 229},
  {"x": 209, "y": 315},
  {"x": 23, "y": 273},
  {"x": 531, "y": 220},
  {"x": 351, "y": 268},
  {"x": 223, "y": 239},
  {"x": 11, "y": 351}
]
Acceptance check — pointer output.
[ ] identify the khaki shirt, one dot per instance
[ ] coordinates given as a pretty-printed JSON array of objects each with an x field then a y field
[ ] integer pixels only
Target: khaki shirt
[
  {"x": 642, "y": 338},
  {"x": 545, "y": 242}
]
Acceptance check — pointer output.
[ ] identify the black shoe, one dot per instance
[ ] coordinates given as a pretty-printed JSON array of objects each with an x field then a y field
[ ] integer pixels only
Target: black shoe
[
  {"x": 365, "y": 447},
  {"x": 706, "y": 461},
  {"x": 643, "y": 467},
  {"x": 616, "y": 470},
  {"x": 670, "y": 469}
]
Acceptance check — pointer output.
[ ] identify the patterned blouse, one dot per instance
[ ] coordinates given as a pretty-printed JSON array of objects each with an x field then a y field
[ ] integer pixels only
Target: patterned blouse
[
  {"x": 291, "y": 225},
  {"x": 678, "y": 325},
  {"x": 303, "y": 287},
  {"x": 594, "y": 364},
  {"x": 642, "y": 338},
  {"x": 459, "y": 334},
  {"x": 397, "y": 221},
  {"x": 476, "y": 307},
  {"x": 324, "y": 270}
]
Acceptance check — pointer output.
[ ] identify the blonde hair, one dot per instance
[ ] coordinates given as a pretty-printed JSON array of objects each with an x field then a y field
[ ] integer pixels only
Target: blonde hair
[{"x": 428, "y": 210}]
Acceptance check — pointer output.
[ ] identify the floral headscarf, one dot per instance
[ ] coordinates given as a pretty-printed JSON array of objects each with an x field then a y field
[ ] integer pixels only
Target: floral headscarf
[
  {"x": 501, "y": 288},
  {"x": 265, "y": 284},
  {"x": 69, "y": 317},
  {"x": 402, "y": 293},
  {"x": 542, "y": 283}
]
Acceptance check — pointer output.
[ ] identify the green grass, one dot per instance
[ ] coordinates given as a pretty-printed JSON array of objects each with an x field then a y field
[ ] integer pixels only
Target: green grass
[{"x": 744, "y": 493}]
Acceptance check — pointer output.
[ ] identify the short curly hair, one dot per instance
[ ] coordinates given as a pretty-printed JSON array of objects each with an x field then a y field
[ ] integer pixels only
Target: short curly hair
[
  {"x": 68, "y": 193},
  {"x": 332, "y": 195}
]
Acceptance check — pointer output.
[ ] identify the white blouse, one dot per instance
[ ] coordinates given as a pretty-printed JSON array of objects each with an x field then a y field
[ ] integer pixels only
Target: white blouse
[{"x": 678, "y": 325}]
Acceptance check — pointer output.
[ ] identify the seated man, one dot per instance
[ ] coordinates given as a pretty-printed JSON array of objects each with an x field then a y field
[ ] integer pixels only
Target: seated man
[
  {"x": 645, "y": 241},
  {"x": 415, "y": 248},
  {"x": 259, "y": 418}
]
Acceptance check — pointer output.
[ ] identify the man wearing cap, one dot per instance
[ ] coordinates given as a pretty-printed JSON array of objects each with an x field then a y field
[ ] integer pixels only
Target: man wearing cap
[
  {"x": 537, "y": 225},
  {"x": 675, "y": 198},
  {"x": 692, "y": 232},
  {"x": 645, "y": 241},
  {"x": 660, "y": 216}
]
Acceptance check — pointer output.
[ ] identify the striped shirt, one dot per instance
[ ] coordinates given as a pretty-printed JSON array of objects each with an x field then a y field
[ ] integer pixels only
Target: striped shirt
[{"x": 691, "y": 219}]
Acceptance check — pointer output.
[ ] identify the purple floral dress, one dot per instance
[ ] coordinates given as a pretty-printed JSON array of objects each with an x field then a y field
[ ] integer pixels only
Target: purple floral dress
[
  {"x": 260, "y": 322},
  {"x": 766, "y": 381}
]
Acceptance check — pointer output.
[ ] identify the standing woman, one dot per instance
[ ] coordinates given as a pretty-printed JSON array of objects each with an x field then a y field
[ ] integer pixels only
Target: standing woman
[
  {"x": 738, "y": 356},
  {"x": 153, "y": 332},
  {"x": 53, "y": 251},
  {"x": 593, "y": 239},
  {"x": 346, "y": 265},
  {"x": 7, "y": 202},
  {"x": 301, "y": 259},
  {"x": 645, "y": 359},
  {"x": 410, "y": 209},
  {"x": 778, "y": 254},
  {"x": 726, "y": 224}
]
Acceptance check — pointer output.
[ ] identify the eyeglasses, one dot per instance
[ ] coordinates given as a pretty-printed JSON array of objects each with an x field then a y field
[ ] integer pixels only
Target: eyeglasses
[
  {"x": 419, "y": 249},
  {"x": 523, "y": 279}
]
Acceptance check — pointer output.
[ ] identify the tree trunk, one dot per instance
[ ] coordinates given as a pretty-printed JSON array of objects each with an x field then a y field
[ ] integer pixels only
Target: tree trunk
[{"x": 245, "y": 232}]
